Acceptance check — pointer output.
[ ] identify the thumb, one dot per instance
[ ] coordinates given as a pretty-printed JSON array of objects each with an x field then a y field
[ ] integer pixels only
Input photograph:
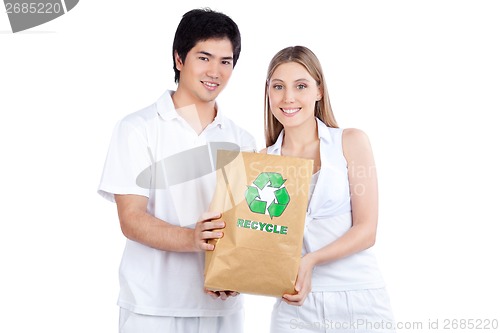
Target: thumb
[{"x": 298, "y": 285}]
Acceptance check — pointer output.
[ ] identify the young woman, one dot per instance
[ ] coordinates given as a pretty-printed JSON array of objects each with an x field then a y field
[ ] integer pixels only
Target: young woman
[{"x": 339, "y": 285}]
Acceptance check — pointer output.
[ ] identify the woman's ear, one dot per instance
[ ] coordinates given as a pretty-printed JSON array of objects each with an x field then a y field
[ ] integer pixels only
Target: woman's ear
[{"x": 319, "y": 96}]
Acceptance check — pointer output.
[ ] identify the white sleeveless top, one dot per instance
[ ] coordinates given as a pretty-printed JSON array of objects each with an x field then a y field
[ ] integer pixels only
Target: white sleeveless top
[
  {"x": 329, "y": 217},
  {"x": 314, "y": 180}
]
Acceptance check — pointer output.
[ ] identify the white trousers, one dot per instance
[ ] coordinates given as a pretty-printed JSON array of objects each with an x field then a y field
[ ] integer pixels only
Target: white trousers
[
  {"x": 131, "y": 322},
  {"x": 343, "y": 311}
]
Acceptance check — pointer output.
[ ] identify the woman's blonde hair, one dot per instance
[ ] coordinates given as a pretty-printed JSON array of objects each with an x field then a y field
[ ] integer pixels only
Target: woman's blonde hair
[{"x": 322, "y": 110}]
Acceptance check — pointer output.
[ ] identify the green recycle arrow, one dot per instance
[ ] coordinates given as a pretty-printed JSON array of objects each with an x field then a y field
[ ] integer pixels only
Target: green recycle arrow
[
  {"x": 282, "y": 198},
  {"x": 273, "y": 178},
  {"x": 252, "y": 196}
]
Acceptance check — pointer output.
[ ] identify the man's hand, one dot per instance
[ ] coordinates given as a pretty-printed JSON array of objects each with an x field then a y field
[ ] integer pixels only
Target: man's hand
[
  {"x": 206, "y": 229},
  {"x": 222, "y": 294}
]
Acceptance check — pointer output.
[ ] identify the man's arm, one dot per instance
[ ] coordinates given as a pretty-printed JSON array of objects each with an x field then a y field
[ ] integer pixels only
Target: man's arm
[{"x": 140, "y": 226}]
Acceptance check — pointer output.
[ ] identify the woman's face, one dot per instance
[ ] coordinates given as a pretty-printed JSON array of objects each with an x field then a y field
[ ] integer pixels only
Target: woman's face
[{"x": 292, "y": 94}]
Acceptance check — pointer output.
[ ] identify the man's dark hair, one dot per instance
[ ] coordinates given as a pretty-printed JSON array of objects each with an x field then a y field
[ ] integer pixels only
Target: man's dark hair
[{"x": 202, "y": 24}]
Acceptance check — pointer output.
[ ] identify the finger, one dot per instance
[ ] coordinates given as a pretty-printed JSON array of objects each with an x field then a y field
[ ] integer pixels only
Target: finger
[
  {"x": 211, "y": 225},
  {"x": 206, "y": 235},
  {"x": 295, "y": 300},
  {"x": 213, "y": 294},
  {"x": 232, "y": 293},
  {"x": 293, "y": 303},
  {"x": 223, "y": 295},
  {"x": 292, "y": 298},
  {"x": 207, "y": 216},
  {"x": 207, "y": 246}
]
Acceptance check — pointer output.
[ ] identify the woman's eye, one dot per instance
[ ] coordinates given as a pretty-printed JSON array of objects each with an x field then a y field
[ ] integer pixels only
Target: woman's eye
[
  {"x": 302, "y": 86},
  {"x": 278, "y": 87}
]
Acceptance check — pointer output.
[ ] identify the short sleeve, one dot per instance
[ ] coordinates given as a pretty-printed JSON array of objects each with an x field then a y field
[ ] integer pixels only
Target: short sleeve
[
  {"x": 128, "y": 156},
  {"x": 248, "y": 143}
]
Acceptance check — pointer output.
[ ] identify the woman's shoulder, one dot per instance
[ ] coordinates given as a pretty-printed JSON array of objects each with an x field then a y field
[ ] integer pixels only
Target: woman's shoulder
[
  {"x": 355, "y": 141},
  {"x": 348, "y": 135},
  {"x": 353, "y": 134}
]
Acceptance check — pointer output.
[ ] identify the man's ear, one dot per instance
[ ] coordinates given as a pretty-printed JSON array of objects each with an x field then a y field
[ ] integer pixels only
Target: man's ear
[{"x": 178, "y": 61}]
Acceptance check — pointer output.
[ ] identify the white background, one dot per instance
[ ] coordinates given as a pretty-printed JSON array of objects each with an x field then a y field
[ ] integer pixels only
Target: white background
[{"x": 421, "y": 78}]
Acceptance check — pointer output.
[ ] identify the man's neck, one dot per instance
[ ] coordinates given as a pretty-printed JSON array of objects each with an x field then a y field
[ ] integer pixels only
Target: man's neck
[{"x": 197, "y": 114}]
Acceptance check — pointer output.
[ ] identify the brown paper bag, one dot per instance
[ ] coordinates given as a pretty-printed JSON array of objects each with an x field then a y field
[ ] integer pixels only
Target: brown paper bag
[{"x": 263, "y": 199}]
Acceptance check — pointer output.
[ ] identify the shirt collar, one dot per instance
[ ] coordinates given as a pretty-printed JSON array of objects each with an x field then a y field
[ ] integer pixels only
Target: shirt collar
[
  {"x": 323, "y": 134},
  {"x": 165, "y": 106},
  {"x": 166, "y": 110},
  {"x": 220, "y": 120},
  {"x": 275, "y": 149},
  {"x": 323, "y": 131}
]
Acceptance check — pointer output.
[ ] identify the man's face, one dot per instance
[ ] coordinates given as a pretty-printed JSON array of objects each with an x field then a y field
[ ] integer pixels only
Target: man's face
[{"x": 206, "y": 69}]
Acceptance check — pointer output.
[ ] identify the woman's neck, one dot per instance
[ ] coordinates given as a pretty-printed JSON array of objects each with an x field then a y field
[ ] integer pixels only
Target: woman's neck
[
  {"x": 303, "y": 142},
  {"x": 298, "y": 138}
]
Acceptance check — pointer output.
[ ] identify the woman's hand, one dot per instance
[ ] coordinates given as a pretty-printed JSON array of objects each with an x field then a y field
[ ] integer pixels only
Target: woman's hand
[{"x": 303, "y": 284}]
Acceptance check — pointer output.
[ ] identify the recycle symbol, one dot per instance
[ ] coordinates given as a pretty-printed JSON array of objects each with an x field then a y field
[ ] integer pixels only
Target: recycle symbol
[{"x": 266, "y": 183}]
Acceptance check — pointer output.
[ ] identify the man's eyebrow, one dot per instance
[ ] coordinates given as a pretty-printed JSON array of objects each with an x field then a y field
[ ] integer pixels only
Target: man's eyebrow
[
  {"x": 210, "y": 55},
  {"x": 206, "y": 53}
]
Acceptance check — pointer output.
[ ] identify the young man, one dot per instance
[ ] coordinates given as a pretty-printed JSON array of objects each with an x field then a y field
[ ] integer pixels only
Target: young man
[{"x": 159, "y": 172}]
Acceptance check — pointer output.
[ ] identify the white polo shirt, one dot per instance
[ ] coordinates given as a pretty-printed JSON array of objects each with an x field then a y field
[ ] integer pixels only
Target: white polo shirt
[
  {"x": 329, "y": 217},
  {"x": 144, "y": 158}
]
